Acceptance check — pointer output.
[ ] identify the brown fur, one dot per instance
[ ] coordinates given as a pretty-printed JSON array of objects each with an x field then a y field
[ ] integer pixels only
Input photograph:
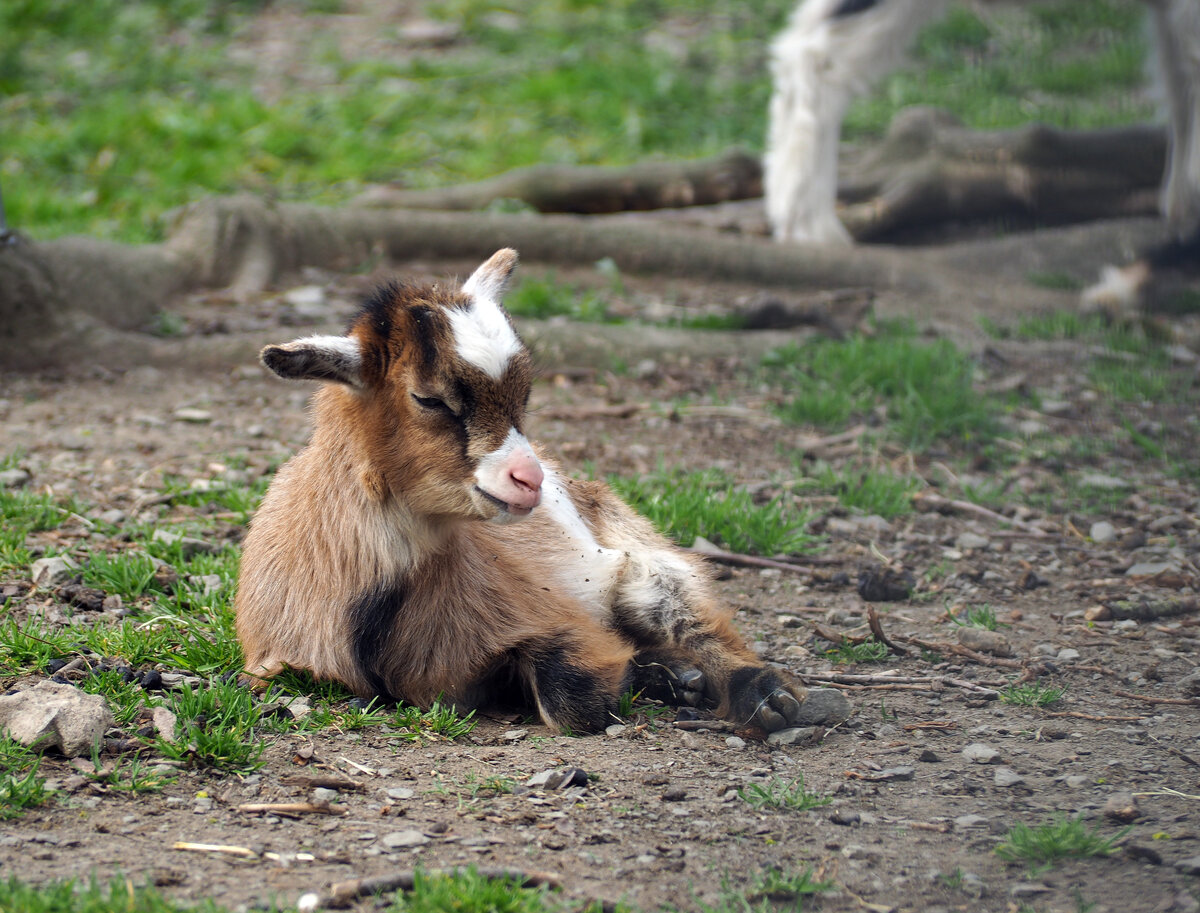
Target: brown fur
[{"x": 371, "y": 562}]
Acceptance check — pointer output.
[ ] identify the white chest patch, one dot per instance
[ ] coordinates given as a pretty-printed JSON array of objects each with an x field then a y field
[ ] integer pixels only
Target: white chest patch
[
  {"x": 483, "y": 337},
  {"x": 589, "y": 571}
]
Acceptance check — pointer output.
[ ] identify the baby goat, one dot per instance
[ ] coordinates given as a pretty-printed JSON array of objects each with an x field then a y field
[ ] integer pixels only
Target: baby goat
[{"x": 420, "y": 546}]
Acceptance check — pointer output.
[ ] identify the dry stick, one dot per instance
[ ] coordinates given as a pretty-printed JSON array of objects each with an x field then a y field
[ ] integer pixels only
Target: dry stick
[
  {"x": 960, "y": 650},
  {"x": 223, "y": 848},
  {"x": 720, "y": 556},
  {"x": 877, "y": 629},
  {"x": 1175, "y": 751},
  {"x": 1187, "y": 701},
  {"x": 322, "y": 782},
  {"x": 342, "y": 893},
  {"x": 883, "y": 681},
  {"x": 699, "y": 725},
  {"x": 940, "y": 504},
  {"x": 624, "y": 410},
  {"x": 291, "y": 808},
  {"x": 1078, "y": 715}
]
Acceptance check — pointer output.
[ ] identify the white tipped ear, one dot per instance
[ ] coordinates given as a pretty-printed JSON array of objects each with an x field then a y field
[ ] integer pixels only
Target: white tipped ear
[
  {"x": 332, "y": 358},
  {"x": 491, "y": 279}
]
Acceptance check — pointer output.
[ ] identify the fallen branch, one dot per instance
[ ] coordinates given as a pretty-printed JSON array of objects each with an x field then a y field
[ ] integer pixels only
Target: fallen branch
[
  {"x": 221, "y": 848},
  {"x": 1186, "y": 701},
  {"x": 720, "y": 556},
  {"x": 291, "y": 809},
  {"x": 926, "y": 501},
  {"x": 876, "y": 625},
  {"x": 343, "y": 893},
  {"x": 884, "y": 681},
  {"x": 319, "y": 782},
  {"x": 960, "y": 650},
  {"x": 1078, "y": 715},
  {"x": 700, "y": 725}
]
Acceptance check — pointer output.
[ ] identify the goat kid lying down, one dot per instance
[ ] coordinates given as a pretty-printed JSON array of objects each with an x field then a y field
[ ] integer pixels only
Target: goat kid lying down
[{"x": 420, "y": 546}]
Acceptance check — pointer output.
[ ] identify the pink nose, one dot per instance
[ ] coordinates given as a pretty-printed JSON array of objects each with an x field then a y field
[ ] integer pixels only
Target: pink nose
[{"x": 525, "y": 474}]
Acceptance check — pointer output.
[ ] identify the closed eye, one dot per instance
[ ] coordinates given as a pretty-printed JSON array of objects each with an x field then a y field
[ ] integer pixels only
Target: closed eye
[{"x": 433, "y": 404}]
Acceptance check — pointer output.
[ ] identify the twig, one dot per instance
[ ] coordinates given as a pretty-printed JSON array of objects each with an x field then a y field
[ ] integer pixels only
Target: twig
[
  {"x": 343, "y": 893},
  {"x": 322, "y": 782},
  {"x": 931, "y": 724},
  {"x": 1078, "y": 715},
  {"x": 877, "y": 629},
  {"x": 1187, "y": 701},
  {"x": 928, "y": 500},
  {"x": 720, "y": 556},
  {"x": 291, "y": 809},
  {"x": 837, "y": 637},
  {"x": 621, "y": 410},
  {"x": 223, "y": 848},
  {"x": 960, "y": 650},
  {"x": 698, "y": 725},
  {"x": 370, "y": 772},
  {"x": 1183, "y": 756},
  {"x": 884, "y": 681}
]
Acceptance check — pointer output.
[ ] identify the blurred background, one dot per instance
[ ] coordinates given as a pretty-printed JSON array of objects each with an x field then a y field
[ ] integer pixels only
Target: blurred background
[{"x": 113, "y": 112}]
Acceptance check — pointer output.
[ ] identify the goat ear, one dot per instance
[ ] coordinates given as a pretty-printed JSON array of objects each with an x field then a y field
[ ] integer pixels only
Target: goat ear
[
  {"x": 332, "y": 358},
  {"x": 491, "y": 279}
]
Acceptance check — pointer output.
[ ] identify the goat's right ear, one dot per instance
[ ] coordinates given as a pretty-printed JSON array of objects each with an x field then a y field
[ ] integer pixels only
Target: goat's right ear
[{"x": 332, "y": 358}]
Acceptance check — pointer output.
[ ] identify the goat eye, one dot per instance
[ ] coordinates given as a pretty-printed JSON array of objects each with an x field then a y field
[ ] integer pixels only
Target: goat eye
[{"x": 433, "y": 404}]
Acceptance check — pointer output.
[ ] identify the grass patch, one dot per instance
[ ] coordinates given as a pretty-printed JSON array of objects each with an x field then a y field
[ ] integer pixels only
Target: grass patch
[
  {"x": 848, "y": 653},
  {"x": 777, "y": 886},
  {"x": 440, "y": 721},
  {"x": 1032, "y": 694},
  {"x": 543, "y": 298},
  {"x": 923, "y": 389},
  {"x": 1041, "y": 847},
  {"x": 217, "y": 727},
  {"x": 118, "y": 896},
  {"x": 870, "y": 491},
  {"x": 780, "y": 793},
  {"x": 976, "y": 616},
  {"x": 684, "y": 505},
  {"x": 470, "y": 892},
  {"x": 21, "y": 787}
]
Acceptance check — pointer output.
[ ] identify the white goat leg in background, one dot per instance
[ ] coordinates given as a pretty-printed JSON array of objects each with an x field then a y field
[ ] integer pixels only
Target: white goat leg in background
[{"x": 831, "y": 51}]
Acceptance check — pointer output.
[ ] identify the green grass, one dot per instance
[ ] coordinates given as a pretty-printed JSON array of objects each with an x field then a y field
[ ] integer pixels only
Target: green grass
[
  {"x": 848, "y": 653},
  {"x": 439, "y": 721},
  {"x": 922, "y": 388},
  {"x": 467, "y": 891},
  {"x": 782, "y": 794},
  {"x": 684, "y": 505},
  {"x": 1044, "y": 845},
  {"x": 117, "y": 896},
  {"x": 1032, "y": 694},
  {"x": 1071, "y": 64},
  {"x": 117, "y": 111},
  {"x": 977, "y": 616},
  {"x": 21, "y": 786},
  {"x": 542, "y": 298},
  {"x": 868, "y": 490},
  {"x": 217, "y": 727}
]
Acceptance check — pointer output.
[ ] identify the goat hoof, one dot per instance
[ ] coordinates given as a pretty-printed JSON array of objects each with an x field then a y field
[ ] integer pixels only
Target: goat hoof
[
  {"x": 762, "y": 697},
  {"x": 692, "y": 683}
]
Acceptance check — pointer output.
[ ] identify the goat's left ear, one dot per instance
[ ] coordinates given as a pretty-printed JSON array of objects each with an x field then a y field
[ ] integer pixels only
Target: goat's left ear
[
  {"x": 491, "y": 279},
  {"x": 332, "y": 358}
]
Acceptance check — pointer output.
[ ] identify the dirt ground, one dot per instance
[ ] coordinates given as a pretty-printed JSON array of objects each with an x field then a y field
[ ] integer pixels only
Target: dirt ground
[{"x": 914, "y": 820}]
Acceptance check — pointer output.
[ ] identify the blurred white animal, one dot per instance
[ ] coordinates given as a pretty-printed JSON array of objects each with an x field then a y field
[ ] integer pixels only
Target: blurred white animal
[{"x": 833, "y": 50}]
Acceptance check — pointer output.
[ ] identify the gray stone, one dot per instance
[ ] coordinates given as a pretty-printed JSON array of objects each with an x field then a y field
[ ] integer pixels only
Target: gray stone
[
  {"x": 189, "y": 546},
  {"x": 799, "y": 735},
  {"x": 1102, "y": 532},
  {"x": 48, "y": 572},
  {"x": 968, "y": 541},
  {"x": 823, "y": 707},
  {"x": 1190, "y": 684},
  {"x": 515, "y": 735},
  {"x": 1099, "y": 480},
  {"x": 164, "y": 724},
  {"x": 1067, "y": 655},
  {"x": 1076, "y": 781},
  {"x": 1150, "y": 568},
  {"x": 402, "y": 839},
  {"x": 52, "y": 715},
  {"x": 968, "y": 821},
  {"x": 324, "y": 794},
  {"x": 1189, "y": 866},
  {"x": 615, "y": 729},
  {"x": 984, "y": 641},
  {"x": 14, "y": 478},
  {"x": 1121, "y": 807},
  {"x": 400, "y": 792},
  {"x": 978, "y": 753},
  {"x": 735, "y": 743},
  {"x": 1006, "y": 777}
]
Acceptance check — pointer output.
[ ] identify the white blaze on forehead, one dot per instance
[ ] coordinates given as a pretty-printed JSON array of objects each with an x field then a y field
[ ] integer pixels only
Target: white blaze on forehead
[{"x": 483, "y": 336}]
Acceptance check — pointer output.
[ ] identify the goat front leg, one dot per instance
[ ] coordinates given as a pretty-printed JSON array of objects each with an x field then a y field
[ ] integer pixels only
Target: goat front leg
[{"x": 662, "y": 603}]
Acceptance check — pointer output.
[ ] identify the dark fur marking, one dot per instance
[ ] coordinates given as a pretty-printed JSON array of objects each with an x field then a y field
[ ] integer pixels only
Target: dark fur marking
[
  {"x": 570, "y": 695},
  {"x": 372, "y": 616},
  {"x": 853, "y": 7},
  {"x": 423, "y": 323}
]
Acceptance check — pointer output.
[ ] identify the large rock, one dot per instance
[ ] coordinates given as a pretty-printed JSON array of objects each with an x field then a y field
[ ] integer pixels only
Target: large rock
[
  {"x": 823, "y": 707},
  {"x": 50, "y": 715}
]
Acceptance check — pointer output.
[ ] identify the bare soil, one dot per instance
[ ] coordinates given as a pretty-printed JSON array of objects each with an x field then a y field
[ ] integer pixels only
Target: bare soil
[{"x": 914, "y": 822}]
